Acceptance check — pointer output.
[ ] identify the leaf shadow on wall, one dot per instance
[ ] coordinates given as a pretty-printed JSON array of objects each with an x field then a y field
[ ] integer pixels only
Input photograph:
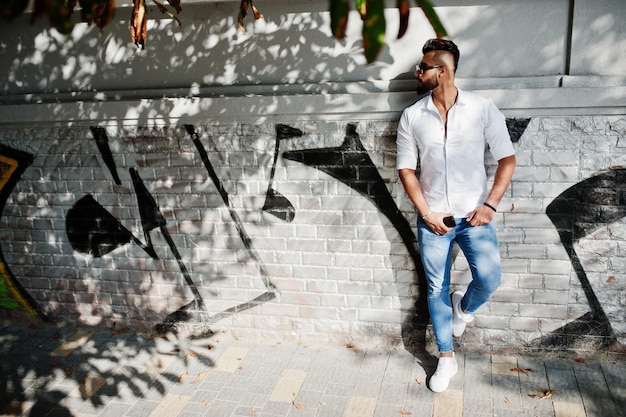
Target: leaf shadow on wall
[
  {"x": 351, "y": 164},
  {"x": 289, "y": 48}
]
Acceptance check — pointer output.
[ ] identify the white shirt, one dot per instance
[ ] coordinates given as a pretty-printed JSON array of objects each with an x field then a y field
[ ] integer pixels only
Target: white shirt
[{"x": 452, "y": 171}]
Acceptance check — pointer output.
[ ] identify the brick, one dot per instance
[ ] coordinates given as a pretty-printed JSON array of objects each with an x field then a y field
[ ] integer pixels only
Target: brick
[
  {"x": 550, "y": 267},
  {"x": 543, "y": 310},
  {"x": 535, "y": 251},
  {"x": 550, "y": 297},
  {"x": 378, "y": 316},
  {"x": 529, "y": 281},
  {"x": 358, "y": 260},
  {"x": 514, "y": 296},
  {"x": 551, "y": 159},
  {"x": 491, "y": 322},
  {"x": 532, "y": 174},
  {"x": 524, "y": 323},
  {"x": 321, "y": 286},
  {"x": 555, "y": 124}
]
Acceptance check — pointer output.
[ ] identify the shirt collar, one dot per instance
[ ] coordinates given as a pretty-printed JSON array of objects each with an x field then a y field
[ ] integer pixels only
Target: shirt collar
[{"x": 461, "y": 99}]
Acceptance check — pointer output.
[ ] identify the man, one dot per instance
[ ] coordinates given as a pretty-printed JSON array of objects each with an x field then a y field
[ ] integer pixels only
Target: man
[{"x": 446, "y": 133}]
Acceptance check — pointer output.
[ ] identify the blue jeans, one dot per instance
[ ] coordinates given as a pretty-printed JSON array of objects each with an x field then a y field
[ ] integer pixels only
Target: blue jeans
[{"x": 480, "y": 246}]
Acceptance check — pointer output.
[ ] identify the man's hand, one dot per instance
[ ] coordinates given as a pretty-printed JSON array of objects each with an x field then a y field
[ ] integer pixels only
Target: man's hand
[
  {"x": 435, "y": 222},
  {"x": 480, "y": 216}
]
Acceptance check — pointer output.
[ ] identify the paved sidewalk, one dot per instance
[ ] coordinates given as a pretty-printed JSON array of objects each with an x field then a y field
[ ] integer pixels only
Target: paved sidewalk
[{"x": 63, "y": 372}]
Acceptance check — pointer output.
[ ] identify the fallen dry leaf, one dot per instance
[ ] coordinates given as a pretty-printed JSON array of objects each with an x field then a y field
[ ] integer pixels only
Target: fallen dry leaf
[
  {"x": 419, "y": 381},
  {"x": 56, "y": 336},
  {"x": 55, "y": 363},
  {"x": 507, "y": 401},
  {"x": 192, "y": 354},
  {"x": 404, "y": 412},
  {"x": 351, "y": 346},
  {"x": 524, "y": 371},
  {"x": 298, "y": 406},
  {"x": 580, "y": 360},
  {"x": 611, "y": 278},
  {"x": 183, "y": 376},
  {"x": 200, "y": 377},
  {"x": 542, "y": 394},
  {"x": 68, "y": 371}
]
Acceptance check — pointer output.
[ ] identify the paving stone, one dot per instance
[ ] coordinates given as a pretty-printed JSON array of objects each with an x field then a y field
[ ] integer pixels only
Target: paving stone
[
  {"x": 360, "y": 407},
  {"x": 132, "y": 375},
  {"x": 288, "y": 386}
]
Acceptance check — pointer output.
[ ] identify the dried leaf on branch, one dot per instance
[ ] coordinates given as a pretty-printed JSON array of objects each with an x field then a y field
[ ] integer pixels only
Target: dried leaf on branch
[
  {"x": 403, "y": 9},
  {"x": 164, "y": 10},
  {"x": 59, "y": 14},
  {"x": 243, "y": 12},
  {"x": 176, "y": 5},
  {"x": 139, "y": 23},
  {"x": 98, "y": 12}
]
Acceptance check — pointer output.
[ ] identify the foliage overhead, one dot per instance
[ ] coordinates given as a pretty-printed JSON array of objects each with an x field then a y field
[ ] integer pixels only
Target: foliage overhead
[{"x": 101, "y": 12}]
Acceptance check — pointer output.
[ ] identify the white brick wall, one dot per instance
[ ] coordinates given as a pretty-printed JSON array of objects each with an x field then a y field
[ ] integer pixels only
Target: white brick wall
[{"x": 340, "y": 270}]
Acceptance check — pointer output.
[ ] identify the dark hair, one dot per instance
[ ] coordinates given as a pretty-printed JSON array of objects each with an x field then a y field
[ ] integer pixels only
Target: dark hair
[{"x": 442, "y": 45}]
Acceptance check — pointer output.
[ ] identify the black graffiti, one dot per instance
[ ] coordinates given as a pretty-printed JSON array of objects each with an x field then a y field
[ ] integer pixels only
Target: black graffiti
[
  {"x": 92, "y": 230},
  {"x": 351, "y": 164},
  {"x": 276, "y": 203},
  {"x": 516, "y": 128},
  {"x": 245, "y": 238},
  {"x": 102, "y": 141},
  {"x": 577, "y": 212}
]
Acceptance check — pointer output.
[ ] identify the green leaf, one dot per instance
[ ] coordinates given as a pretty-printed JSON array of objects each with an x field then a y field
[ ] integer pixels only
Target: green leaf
[
  {"x": 432, "y": 17},
  {"x": 361, "y": 7},
  {"x": 403, "y": 9},
  {"x": 374, "y": 27},
  {"x": 339, "y": 10}
]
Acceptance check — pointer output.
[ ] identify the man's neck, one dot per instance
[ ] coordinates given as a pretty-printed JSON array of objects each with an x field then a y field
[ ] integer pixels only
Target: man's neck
[{"x": 444, "y": 97}]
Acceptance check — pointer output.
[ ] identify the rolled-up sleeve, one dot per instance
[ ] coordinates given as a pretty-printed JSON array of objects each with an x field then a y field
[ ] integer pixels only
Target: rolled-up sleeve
[
  {"x": 407, "y": 153},
  {"x": 496, "y": 133}
]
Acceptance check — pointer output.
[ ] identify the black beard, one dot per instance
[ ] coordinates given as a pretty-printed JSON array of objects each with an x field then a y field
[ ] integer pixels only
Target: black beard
[{"x": 427, "y": 86}]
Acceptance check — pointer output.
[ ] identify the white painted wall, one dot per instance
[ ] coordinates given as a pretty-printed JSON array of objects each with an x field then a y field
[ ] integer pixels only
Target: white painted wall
[{"x": 292, "y": 47}]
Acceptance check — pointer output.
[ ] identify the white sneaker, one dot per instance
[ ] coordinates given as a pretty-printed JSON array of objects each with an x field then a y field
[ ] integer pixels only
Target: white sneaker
[
  {"x": 459, "y": 318},
  {"x": 446, "y": 369}
]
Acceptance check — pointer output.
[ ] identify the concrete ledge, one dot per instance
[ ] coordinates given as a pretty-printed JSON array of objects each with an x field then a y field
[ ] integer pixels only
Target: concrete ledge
[{"x": 349, "y": 101}]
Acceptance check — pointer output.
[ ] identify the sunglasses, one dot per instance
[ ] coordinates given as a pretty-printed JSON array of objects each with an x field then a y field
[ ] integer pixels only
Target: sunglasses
[{"x": 422, "y": 68}]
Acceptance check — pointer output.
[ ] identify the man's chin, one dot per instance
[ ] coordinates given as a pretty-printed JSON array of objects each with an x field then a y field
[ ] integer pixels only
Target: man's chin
[{"x": 422, "y": 90}]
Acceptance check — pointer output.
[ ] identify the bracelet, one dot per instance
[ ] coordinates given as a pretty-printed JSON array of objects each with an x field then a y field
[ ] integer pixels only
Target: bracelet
[
  {"x": 490, "y": 206},
  {"x": 427, "y": 214}
]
